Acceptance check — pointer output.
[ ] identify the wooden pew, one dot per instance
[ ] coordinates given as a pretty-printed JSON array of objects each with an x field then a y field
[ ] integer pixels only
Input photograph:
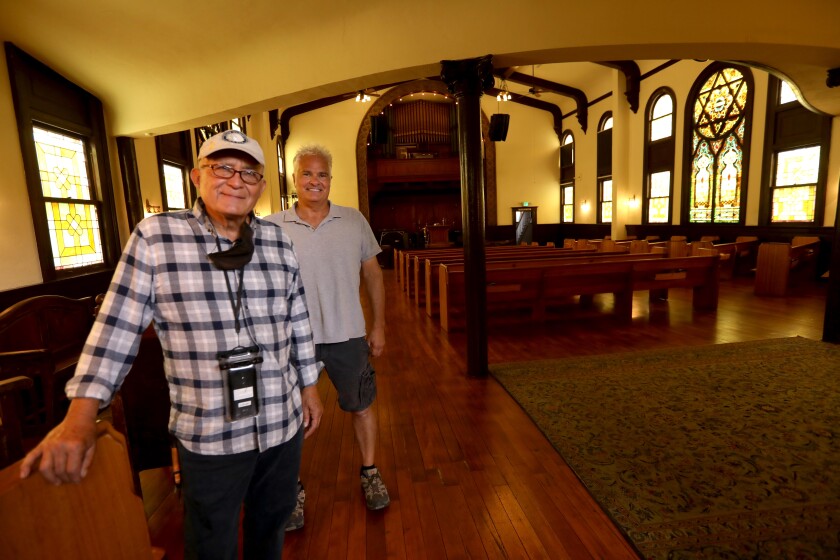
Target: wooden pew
[
  {"x": 42, "y": 337},
  {"x": 736, "y": 258},
  {"x": 421, "y": 266},
  {"x": 412, "y": 273},
  {"x": 431, "y": 294},
  {"x": 777, "y": 262},
  {"x": 101, "y": 517},
  {"x": 535, "y": 289}
]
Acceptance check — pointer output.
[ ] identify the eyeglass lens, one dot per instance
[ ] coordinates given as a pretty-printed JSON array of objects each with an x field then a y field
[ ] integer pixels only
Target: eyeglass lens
[{"x": 226, "y": 172}]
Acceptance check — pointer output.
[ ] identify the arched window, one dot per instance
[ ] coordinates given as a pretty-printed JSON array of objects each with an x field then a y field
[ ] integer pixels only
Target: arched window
[
  {"x": 567, "y": 178},
  {"x": 660, "y": 153},
  {"x": 604, "y": 169},
  {"x": 795, "y": 163},
  {"x": 719, "y": 109}
]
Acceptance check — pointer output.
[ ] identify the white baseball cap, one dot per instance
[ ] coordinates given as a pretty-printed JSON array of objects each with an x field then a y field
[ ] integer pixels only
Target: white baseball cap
[{"x": 232, "y": 140}]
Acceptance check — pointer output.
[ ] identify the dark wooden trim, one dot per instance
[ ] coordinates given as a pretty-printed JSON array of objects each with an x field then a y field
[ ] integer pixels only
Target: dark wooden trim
[
  {"x": 831, "y": 325},
  {"x": 820, "y": 135},
  {"x": 660, "y": 68},
  {"x": 42, "y": 95},
  {"x": 131, "y": 180},
  {"x": 555, "y": 111},
  {"x": 576, "y": 94},
  {"x": 75, "y": 287},
  {"x": 467, "y": 80},
  {"x": 632, "y": 77},
  {"x": 650, "y": 147}
]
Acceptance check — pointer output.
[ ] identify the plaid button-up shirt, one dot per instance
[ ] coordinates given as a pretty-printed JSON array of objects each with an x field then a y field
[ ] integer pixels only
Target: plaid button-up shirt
[{"x": 164, "y": 276}]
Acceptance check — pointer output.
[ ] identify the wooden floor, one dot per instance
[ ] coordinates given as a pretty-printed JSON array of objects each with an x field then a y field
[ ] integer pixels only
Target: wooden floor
[{"x": 469, "y": 475}]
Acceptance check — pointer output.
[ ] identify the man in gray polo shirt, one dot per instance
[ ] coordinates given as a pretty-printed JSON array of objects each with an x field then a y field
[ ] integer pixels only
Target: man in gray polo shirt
[{"x": 333, "y": 243}]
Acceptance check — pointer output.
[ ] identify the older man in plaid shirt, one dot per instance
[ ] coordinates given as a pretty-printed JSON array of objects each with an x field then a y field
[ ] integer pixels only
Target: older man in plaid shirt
[{"x": 215, "y": 280}]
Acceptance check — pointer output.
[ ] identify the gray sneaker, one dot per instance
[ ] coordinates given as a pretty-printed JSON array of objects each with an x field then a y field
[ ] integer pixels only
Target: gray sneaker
[
  {"x": 376, "y": 495},
  {"x": 296, "y": 520}
]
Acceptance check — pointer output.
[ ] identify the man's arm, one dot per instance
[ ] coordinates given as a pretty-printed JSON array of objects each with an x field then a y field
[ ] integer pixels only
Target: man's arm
[
  {"x": 375, "y": 288},
  {"x": 67, "y": 451}
]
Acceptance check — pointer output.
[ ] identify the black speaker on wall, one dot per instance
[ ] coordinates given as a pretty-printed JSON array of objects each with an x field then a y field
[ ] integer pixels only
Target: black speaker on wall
[
  {"x": 499, "y": 127},
  {"x": 379, "y": 129}
]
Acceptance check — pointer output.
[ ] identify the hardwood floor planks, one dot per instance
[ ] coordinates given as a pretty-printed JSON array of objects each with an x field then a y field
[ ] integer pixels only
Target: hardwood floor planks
[{"x": 469, "y": 474}]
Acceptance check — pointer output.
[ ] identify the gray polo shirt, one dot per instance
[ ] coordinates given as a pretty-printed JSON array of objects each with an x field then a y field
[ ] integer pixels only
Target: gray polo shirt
[{"x": 330, "y": 258}]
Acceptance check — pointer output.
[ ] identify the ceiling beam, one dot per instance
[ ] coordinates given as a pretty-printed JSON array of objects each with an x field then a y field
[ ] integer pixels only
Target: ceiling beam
[
  {"x": 632, "y": 77},
  {"x": 536, "y": 104},
  {"x": 577, "y": 95}
]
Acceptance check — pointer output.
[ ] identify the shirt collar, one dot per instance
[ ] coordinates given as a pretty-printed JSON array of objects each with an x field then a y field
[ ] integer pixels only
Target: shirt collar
[{"x": 291, "y": 214}]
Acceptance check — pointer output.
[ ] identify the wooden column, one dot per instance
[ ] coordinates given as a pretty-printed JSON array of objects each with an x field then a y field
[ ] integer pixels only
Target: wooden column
[
  {"x": 831, "y": 325},
  {"x": 467, "y": 79}
]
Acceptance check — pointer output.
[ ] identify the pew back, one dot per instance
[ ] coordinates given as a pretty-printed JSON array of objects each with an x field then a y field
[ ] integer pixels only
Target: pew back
[
  {"x": 100, "y": 517},
  {"x": 537, "y": 288}
]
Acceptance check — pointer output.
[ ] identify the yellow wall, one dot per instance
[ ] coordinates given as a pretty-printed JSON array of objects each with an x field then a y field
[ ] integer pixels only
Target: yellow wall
[
  {"x": 336, "y": 128},
  {"x": 526, "y": 163},
  {"x": 18, "y": 250}
]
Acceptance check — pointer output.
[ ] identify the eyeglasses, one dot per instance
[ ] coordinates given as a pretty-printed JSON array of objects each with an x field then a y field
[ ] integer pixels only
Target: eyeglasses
[{"x": 249, "y": 176}]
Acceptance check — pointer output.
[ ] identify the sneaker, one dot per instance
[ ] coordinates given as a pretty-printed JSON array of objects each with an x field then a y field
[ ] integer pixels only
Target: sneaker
[
  {"x": 296, "y": 520},
  {"x": 376, "y": 495}
]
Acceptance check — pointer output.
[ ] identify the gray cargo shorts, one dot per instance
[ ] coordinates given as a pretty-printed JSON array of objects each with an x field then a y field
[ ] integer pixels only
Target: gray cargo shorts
[{"x": 348, "y": 367}]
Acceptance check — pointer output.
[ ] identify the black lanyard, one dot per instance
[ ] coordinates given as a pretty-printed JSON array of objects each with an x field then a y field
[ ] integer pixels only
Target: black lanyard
[{"x": 236, "y": 305}]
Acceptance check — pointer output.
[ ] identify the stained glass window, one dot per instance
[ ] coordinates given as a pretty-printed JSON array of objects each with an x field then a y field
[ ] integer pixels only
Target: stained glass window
[
  {"x": 795, "y": 185},
  {"x": 717, "y": 164},
  {"x": 606, "y": 201},
  {"x": 660, "y": 197},
  {"x": 72, "y": 214}
]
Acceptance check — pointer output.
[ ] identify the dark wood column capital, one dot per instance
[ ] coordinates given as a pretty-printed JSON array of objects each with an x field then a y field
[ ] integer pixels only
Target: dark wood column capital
[{"x": 468, "y": 77}]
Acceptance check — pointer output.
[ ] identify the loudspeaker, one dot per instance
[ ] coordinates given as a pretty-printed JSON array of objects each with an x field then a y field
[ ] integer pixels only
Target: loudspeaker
[
  {"x": 499, "y": 127},
  {"x": 379, "y": 129}
]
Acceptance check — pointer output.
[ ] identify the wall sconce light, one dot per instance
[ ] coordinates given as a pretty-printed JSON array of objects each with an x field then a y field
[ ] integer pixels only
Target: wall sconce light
[
  {"x": 632, "y": 202},
  {"x": 151, "y": 209},
  {"x": 584, "y": 206}
]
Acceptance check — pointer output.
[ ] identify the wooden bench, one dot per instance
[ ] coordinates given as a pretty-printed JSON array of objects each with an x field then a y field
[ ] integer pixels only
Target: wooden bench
[
  {"x": 411, "y": 258},
  {"x": 536, "y": 289},
  {"x": 431, "y": 295},
  {"x": 101, "y": 517},
  {"x": 777, "y": 263},
  {"x": 424, "y": 268},
  {"x": 736, "y": 258},
  {"x": 42, "y": 337}
]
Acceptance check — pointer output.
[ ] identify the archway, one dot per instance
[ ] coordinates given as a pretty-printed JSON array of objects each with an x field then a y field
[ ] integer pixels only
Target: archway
[{"x": 394, "y": 94}]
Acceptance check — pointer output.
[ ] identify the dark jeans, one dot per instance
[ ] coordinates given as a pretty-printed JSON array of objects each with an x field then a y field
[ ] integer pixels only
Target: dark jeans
[{"x": 214, "y": 488}]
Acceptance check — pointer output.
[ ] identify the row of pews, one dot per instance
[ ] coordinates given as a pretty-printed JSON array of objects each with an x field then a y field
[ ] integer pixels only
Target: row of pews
[{"x": 529, "y": 282}]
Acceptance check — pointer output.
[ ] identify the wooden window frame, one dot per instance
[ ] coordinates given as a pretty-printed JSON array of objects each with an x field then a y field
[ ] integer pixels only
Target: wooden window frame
[
  {"x": 659, "y": 155},
  {"x": 807, "y": 128},
  {"x": 42, "y": 97}
]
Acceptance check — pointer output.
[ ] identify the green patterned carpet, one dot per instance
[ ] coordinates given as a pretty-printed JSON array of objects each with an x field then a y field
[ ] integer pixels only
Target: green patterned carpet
[{"x": 723, "y": 451}]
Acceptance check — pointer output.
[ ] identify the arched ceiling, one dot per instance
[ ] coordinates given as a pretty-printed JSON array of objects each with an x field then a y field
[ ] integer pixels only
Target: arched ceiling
[{"x": 160, "y": 66}]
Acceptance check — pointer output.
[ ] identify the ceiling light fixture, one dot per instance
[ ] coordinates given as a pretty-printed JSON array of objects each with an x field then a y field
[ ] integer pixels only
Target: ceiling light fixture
[
  {"x": 503, "y": 95},
  {"x": 362, "y": 97}
]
